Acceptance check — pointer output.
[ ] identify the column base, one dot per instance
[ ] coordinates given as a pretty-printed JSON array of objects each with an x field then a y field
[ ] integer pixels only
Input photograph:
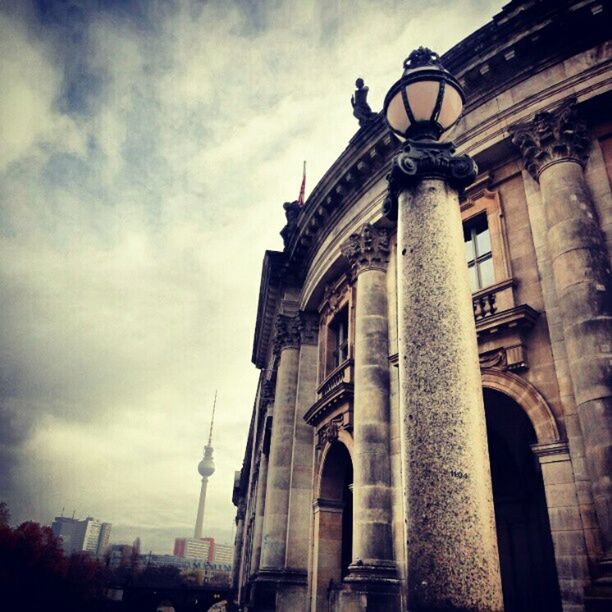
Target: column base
[
  {"x": 598, "y": 596},
  {"x": 370, "y": 587},
  {"x": 279, "y": 589}
]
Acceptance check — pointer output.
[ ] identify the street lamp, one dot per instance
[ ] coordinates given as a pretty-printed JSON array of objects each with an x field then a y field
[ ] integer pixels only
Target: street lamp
[
  {"x": 424, "y": 104},
  {"x": 452, "y": 553},
  {"x": 426, "y": 101}
]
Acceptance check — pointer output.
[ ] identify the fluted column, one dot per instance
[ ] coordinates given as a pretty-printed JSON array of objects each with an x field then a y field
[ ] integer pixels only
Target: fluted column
[
  {"x": 555, "y": 147},
  {"x": 368, "y": 254},
  {"x": 453, "y": 561}
]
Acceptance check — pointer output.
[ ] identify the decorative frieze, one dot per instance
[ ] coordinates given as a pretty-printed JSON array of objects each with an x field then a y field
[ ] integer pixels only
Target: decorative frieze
[
  {"x": 552, "y": 137},
  {"x": 367, "y": 249},
  {"x": 287, "y": 332}
]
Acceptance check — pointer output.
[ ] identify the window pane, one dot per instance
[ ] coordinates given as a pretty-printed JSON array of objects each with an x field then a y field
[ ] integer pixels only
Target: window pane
[
  {"x": 483, "y": 242},
  {"x": 487, "y": 276},
  {"x": 469, "y": 250},
  {"x": 473, "y": 278}
]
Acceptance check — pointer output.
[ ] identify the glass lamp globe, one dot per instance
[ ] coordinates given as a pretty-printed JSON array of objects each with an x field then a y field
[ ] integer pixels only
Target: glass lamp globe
[{"x": 426, "y": 102}]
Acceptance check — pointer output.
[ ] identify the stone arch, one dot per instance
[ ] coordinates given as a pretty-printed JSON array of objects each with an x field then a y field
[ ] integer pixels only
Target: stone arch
[
  {"x": 344, "y": 438},
  {"x": 529, "y": 399}
]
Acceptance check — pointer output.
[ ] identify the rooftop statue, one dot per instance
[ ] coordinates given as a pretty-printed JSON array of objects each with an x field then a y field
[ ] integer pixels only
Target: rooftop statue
[{"x": 361, "y": 108}]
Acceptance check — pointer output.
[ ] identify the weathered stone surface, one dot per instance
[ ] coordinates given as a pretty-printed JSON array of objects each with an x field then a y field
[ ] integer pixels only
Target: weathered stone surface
[
  {"x": 260, "y": 504},
  {"x": 452, "y": 546},
  {"x": 583, "y": 282},
  {"x": 279, "y": 466}
]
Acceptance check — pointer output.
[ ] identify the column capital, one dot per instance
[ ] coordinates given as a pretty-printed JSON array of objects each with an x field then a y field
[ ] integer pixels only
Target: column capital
[
  {"x": 367, "y": 249},
  {"x": 308, "y": 326},
  {"x": 426, "y": 159},
  {"x": 551, "y": 137},
  {"x": 287, "y": 332}
]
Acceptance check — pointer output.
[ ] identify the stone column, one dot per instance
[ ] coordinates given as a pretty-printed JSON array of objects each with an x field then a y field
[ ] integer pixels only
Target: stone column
[
  {"x": 274, "y": 541},
  {"x": 453, "y": 560},
  {"x": 300, "y": 496},
  {"x": 368, "y": 254},
  {"x": 555, "y": 146},
  {"x": 238, "y": 545},
  {"x": 260, "y": 502}
]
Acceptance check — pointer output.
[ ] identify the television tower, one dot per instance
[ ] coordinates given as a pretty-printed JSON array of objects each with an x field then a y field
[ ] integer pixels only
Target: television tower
[{"x": 206, "y": 467}]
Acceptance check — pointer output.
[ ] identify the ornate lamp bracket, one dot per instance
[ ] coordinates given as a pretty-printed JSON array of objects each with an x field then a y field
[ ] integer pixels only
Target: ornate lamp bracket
[{"x": 426, "y": 159}]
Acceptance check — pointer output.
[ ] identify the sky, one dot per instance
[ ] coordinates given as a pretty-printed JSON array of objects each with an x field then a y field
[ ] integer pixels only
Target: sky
[{"x": 146, "y": 149}]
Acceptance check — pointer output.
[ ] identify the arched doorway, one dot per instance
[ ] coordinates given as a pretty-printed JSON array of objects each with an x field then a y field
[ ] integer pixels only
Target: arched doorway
[
  {"x": 333, "y": 522},
  {"x": 528, "y": 570}
]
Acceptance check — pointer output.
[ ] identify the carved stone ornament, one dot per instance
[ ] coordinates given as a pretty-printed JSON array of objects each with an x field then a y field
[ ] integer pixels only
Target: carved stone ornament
[
  {"x": 552, "y": 137},
  {"x": 426, "y": 159},
  {"x": 309, "y": 328},
  {"x": 328, "y": 433},
  {"x": 287, "y": 332},
  {"x": 367, "y": 250}
]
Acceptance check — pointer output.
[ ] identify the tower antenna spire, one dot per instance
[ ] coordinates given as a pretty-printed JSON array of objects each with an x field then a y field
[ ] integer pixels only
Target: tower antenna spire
[{"x": 212, "y": 419}]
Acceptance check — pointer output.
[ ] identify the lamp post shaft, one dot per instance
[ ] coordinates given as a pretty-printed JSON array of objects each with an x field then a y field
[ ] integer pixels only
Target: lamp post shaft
[{"x": 452, "y": 548}]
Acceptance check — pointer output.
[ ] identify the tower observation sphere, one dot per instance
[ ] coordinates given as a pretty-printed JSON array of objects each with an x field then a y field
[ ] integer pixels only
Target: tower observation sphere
[{"x": 206, "y": 468}]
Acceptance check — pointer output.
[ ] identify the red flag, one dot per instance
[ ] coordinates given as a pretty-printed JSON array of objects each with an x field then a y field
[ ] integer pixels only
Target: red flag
[{"x": 302, "y": 188}]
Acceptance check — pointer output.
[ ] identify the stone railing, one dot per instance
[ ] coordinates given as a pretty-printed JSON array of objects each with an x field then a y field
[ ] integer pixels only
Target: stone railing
[
  {"x": 342, "y": 374},
  {"x": 493, "y": 299}
]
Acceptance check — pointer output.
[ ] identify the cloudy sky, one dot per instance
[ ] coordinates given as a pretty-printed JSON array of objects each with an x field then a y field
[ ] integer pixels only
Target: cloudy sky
[{"x": 146, "y": 148}]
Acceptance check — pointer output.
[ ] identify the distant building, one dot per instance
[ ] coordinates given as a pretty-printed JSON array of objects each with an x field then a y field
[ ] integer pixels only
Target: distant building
[
  {"x": 194, "y": 548},
  {"x": 223, "y": 554},
  {"x": 204, "y": 549},
  {"x": 120, "y": 555},
  {"x": 89, "y": 535}
]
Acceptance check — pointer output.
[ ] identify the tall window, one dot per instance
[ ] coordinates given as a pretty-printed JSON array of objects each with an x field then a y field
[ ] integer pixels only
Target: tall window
[
  {"x": 339, "y": 337},
  {"x": 478, "y": 252}
]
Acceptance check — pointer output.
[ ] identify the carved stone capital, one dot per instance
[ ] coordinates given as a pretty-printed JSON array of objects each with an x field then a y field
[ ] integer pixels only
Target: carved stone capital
[
  {"x": 287, "y": 332},
  {"x": 552, "y": 137},
  {"x": 426, "y": 159},
  {"x": 367, "y": 249},
  {"x": 308, "y": 327}
]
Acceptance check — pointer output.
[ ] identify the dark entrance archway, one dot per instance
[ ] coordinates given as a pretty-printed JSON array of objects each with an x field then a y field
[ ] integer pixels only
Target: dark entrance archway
[
  {"x": 528, "y": 570},
  {"x": 333, "y": 548}
]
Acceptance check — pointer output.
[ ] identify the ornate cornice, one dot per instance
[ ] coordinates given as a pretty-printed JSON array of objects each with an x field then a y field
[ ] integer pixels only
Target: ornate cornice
[
  {"x": 287, "y": 332},
  {"x": 552, "y": 137},
  {"x": 308, "y": 327},
  {"x": 426, "y": 159},
  {"x": 367, "y": 249}
]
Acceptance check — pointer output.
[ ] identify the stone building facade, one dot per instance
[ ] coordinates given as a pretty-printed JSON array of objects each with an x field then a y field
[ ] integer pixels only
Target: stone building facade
[{"x": 323, "y": 521}]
